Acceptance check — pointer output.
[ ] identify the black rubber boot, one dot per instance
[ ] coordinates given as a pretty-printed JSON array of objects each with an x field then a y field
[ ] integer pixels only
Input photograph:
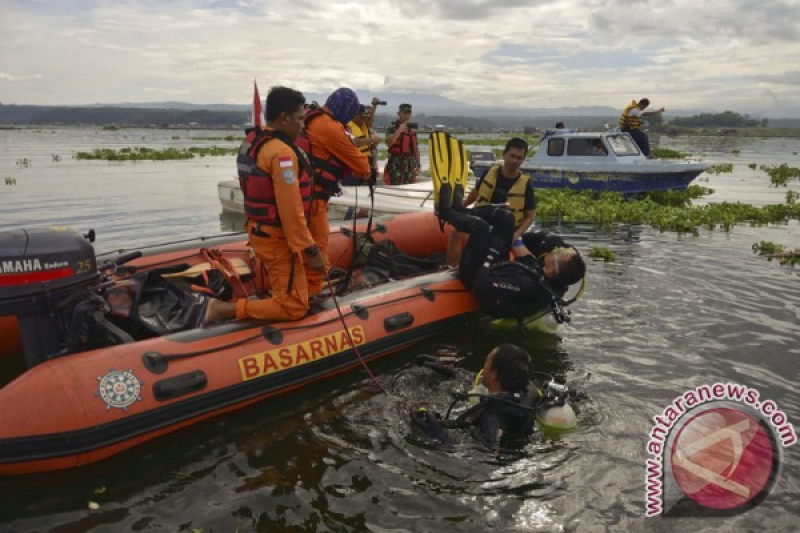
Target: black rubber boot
[
  {"x": 458, "y": 198},
  {"x": 445, "y": 202}
]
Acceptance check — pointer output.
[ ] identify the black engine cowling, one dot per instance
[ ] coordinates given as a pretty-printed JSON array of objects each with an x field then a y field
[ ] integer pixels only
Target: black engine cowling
[{"x": 44, "y": 274}]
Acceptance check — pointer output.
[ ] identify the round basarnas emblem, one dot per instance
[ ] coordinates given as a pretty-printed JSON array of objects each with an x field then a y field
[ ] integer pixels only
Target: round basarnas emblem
[{"x": 119, "y": 388}]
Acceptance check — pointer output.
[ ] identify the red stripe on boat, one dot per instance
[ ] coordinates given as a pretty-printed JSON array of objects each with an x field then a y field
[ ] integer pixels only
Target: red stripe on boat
[{"x": 34, "y": 277}]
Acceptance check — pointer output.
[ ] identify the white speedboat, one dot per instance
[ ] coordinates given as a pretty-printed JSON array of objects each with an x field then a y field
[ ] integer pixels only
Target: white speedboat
[
  {"x": 602, "y": 161},
  {"x": 389, "y": 200}
]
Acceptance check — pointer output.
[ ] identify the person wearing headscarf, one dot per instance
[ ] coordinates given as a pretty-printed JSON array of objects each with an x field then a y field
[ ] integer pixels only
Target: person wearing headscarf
[{"x": 333, "y": 155}]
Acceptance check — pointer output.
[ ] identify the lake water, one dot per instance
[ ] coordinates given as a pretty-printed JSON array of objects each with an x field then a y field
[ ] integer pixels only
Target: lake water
[{"x": 672, "y": 313}]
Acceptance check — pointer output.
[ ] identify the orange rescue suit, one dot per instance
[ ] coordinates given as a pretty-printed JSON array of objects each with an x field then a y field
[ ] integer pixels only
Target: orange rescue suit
[
  {"x": 328, "y": 138},
  {"x": 280, "y": 248}
]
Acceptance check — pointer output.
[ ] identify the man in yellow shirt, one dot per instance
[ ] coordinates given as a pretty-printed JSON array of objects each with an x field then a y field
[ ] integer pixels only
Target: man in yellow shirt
[{"x": 361, "y": 129}]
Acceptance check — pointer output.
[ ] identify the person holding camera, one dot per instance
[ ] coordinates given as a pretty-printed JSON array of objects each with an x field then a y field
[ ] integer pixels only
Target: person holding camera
[
  {"x": 363, "y": 137},
  {"x": 401, "y": 138}
]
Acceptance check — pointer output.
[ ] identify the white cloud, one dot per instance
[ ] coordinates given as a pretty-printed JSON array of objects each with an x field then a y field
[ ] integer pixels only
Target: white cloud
[{"x": 718, "y": 55}]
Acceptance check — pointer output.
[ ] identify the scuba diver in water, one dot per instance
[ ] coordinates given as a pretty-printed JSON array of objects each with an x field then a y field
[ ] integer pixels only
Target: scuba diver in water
[{"x": 508, "y": 404}]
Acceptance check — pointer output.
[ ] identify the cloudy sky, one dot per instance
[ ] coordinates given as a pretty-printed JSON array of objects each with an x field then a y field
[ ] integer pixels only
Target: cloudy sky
[{"x": 683, "y": 54}]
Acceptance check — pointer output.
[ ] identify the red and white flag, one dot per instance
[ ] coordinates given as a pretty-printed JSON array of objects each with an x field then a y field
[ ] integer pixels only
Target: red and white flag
[{"x": 258, "y": 114}]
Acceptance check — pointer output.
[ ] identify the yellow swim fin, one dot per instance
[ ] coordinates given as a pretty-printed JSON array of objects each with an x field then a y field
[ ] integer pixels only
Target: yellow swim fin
[
  {"x": 448, "y": 162},
  {"x": 439, "y": 161},
  {"x": 459, "y": 165}
]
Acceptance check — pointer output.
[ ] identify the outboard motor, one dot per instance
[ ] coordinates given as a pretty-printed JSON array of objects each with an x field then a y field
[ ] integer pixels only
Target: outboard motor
[{"x": 45, "y": 274}]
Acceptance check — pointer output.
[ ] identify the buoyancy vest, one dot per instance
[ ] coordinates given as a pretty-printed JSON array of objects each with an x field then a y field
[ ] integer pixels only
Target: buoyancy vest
[
  {"x": 508, "y": 415},
  {"x": 516, "y": 194},
  {"x": 256, "y": 184},
  {"x": 405, "y": 144},
  {"x": 626, "y": 121},
  {"x": 363, "y": 133},
  {"x": 329, "y": 172},
  {"x": 511, "y": 289}
]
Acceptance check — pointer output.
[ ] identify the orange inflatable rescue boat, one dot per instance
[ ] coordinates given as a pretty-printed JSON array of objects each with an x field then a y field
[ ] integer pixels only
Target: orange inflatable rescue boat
[{"x": 85, "y": 373}]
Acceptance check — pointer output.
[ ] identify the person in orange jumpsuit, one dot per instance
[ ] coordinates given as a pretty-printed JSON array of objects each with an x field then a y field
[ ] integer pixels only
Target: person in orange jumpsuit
[
  {"x": 332, "y": 153},
  {"x": 281, "y": 238}
]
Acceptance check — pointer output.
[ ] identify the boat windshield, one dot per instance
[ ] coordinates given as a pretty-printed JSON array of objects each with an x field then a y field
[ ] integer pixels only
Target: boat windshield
[{"x": 622, "y": 145}]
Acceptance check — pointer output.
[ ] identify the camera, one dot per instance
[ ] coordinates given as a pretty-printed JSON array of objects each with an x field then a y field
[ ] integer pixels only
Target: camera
[
  {"x": 380, "y": 102},
  {"x": 409, "y": 125}
]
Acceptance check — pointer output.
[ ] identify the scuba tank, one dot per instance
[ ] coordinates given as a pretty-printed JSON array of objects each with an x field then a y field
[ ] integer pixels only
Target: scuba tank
[{"x": 554, "y": 415}]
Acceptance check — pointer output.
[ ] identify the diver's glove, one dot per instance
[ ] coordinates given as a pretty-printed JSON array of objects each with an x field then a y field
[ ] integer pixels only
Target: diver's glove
[
  {"x": 428, "y": 423},
  {"x": 433, "y": 362}
]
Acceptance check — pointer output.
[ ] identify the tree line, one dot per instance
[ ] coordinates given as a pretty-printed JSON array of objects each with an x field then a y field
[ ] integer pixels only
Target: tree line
[{"x": 727, "y": 119}]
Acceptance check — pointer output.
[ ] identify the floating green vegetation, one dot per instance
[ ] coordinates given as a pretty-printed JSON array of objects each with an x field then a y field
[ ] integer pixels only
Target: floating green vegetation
[
  {"x": 792, "y": 196},
  {"x": 781, "y": 175},
  {"x": 678, "y": 198},
  {"x": 736, "y": 151},
  {"x": 213, "y": 151},
  {"x": 150, "y": 154},
  {"x": 771, "y": 251},
  {"x": 111, "y": 127},
  {"x": 720, "y": 168},
  {"x": 226, "y": 138},
  {"x": 24, "y": 162},
  {"x": 752, "y": 166},
  {"x": 176, "y": 137},
  {"x": 10, "y": 180},
  {"x": 668, "y": 153},
  {"x": 601, "y": 252},
  {"x": 669, "y": 211}
]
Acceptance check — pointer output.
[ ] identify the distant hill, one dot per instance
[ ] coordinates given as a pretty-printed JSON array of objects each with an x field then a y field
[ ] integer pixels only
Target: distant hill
[
  {"x": 236, "y": 116},
  {"x": 121, "y": 116},
  {"x": 429, "y": 109}
]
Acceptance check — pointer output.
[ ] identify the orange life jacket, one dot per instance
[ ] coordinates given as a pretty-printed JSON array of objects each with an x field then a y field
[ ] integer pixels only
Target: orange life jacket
[
  {"x": 405, "y": 144},
  {"x": 256, "y": 185},
  {"x": 328, "y": 171}
]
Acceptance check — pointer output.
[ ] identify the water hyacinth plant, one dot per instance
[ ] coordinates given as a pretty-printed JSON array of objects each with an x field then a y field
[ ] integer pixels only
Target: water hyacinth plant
[
  {"x": 771, "y": 251},
  {"x": 668, "y": 153},
  {"x": 601, "y": 252},
  {"x": 720, "y": 168},
  {"x": 781, "y": 175},
  {"x": 667, "y": 211},
  {"x": 150, "y": 154}
]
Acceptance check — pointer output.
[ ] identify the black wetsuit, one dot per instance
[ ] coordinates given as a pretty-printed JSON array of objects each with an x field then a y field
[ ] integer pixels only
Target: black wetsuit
[
  {"x": 504, "y": 289},
  {"x": 506, "y": 419}
]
